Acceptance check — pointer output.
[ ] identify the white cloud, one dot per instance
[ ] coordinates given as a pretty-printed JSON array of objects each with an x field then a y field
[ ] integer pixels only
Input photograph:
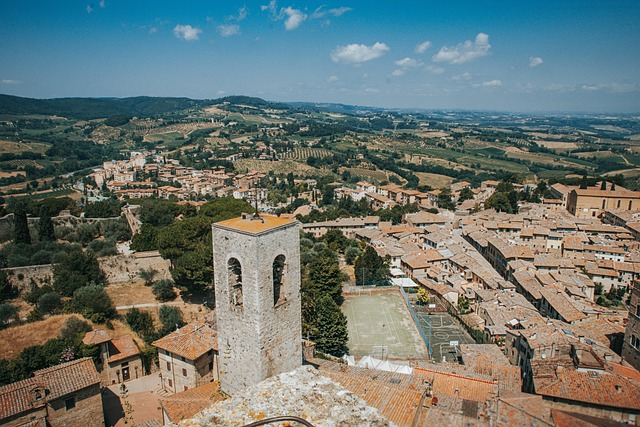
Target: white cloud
[
  {"x": 153, "y": 30},
  {"x": 405, "y": 64},
  {"x": 464, "y": 52},
  {"x": 408, "y": 63},
  {"x": 102, "y": 4},
  {"x": 435, "y": 70},
  {"x": 356, "y": 54},
  {"x": 490, "y": 83},
  {"x": 461, "y": 77},
  {"x": 332, "y": 79},
  {"x": 271, "y": 7},
  {"x": 339, "y": 11},
  {"x": 227, "y": 30},
  {"x": 422, "y": 47},
  {"x": 10, "y": 82},
  {"x": 534, "y": 61},
  {"x": 320, "y": 12},
  {"x": 371, "y": 90},
  {"x": 89, "y": 8},
  {"x": 187, "y": 32},
  {"x": 294, "y": 18},
  {"x": 242, "y": 14}
]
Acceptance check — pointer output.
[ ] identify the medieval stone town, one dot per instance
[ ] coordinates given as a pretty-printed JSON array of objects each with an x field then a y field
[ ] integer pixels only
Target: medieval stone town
[{"x": 544, "y": 349}]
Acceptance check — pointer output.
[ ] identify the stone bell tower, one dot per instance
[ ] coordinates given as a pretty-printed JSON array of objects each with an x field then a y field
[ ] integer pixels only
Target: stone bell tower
[{"x": 256, "y": 262}]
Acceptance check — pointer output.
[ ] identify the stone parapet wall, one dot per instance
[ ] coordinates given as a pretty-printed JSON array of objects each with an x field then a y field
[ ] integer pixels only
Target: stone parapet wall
[{"x": 118, "y": 269}]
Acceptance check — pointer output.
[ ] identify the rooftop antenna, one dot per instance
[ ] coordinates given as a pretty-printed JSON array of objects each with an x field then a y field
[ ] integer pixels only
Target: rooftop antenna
[{"x": 256, "y": 214}]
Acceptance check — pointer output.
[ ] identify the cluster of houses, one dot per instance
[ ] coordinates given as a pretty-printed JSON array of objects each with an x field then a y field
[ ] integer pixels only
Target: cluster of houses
[
  {"x": 554, "y": 351},
  {"x": 390, "y": 195},
  {"x": 138, "y": 177}
]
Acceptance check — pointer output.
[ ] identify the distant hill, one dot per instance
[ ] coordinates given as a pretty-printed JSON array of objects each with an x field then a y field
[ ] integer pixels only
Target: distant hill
[
  {"x": 336, "y": 108},
  {"x": 251, "y": 101},
  {"x": 93, "y": 108}
]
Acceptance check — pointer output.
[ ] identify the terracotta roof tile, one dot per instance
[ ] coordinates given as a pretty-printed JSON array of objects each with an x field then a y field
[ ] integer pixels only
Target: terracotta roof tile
[
  {"x": 396, "y": 396},
  {"x": 16, "y": 398},
  {"x": 122, "y": 347},
  {"x": 58, "y": 381},
  {"x": 188, "y": 403},
  {"x": 98, "y": 336},
  {"x": 191, "y": 341},
  {"x": 597, "y": 388},
  {"x": 69, "y": 377}
]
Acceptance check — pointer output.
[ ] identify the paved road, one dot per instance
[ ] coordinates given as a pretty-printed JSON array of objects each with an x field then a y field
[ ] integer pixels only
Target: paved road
[
  {"x": 141, "y": 395},
  {"x": 148, "y": 305}
]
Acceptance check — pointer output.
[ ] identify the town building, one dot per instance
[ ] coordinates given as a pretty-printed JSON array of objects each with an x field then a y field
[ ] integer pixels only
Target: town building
[
  {"x": 120, "y": 358},
  {"x": 62, "y": 395},
  {"x": 631, "y": 345},
  {"x": 188, "y": 357},
  {"x": 591, "y": 202}
]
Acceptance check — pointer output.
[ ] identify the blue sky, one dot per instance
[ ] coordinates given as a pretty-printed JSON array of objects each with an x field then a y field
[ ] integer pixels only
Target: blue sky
[{"x": 498, "y": 55}]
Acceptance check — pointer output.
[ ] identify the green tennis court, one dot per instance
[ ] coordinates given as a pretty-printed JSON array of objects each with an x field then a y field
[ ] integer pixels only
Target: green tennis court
[{"x": 381, "y": 326}]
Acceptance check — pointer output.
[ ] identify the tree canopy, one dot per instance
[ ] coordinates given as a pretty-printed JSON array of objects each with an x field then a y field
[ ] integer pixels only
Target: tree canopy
[{"x": 371, "y": 269}]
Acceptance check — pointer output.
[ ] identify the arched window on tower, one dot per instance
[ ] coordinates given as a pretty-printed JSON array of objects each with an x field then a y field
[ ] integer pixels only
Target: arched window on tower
[
  {"x": 235, "y": 282},
  {"x": 604, "y": 203},
  {"x": 630, "y": 204},
  {"x": 278, "y": 277}
]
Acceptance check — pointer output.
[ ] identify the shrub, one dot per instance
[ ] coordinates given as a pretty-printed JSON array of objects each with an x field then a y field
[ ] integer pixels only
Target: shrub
[
  {"x": 139, "y": 321},
  {"x": 93, "y": 303},
  {"x": 74, "y": 329},
  {"x": 163, "y": 290},
  {"x": 49, "y": 303},
  {"x": 170, "y": 318},
  {"x": 8, "y": 314}
]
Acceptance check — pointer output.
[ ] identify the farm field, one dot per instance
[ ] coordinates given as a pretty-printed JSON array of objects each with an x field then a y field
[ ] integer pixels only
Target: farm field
[
  {"x": 280, "y": 167},
  {"x": 434, "y": 180},
  {"x": 376, "y": 175},
  {"x": 304, "y": 153}
]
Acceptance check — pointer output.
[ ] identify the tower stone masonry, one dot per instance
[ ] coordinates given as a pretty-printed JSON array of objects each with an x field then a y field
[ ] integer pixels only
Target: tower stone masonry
[{"x": 257, "y": 286}]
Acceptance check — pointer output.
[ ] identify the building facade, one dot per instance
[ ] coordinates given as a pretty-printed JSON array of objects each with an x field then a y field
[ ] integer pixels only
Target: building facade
[
  {"x": 631, "y": 345},
  {"x": 188, "y": 357},
  {"x": 63, "y": 395}
]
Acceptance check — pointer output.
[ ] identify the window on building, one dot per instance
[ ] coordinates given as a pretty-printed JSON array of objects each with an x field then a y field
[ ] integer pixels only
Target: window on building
[
  {"x": 619, "y": 201},
  {"x": 635, "y": 342},
  {"x": 184, "y": 372},
  {"x": 70, "y": 403},
  {"x": 235, "y": 281},
  {"x": 186, "y": 388},
  {"x": 604, "y": 203},
  {"x": 630, "y": 204},
  {"x": 638, "y": 310},
  {"x": 278, "y": 276},
  {"x": 183, "y": 359},
  {"x": 170, "y": 383},
  {"x": 168, "y": 366}
]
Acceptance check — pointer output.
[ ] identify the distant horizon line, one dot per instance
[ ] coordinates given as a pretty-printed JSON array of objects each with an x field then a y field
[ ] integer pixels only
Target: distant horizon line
[{"x": 434, "y": 109}]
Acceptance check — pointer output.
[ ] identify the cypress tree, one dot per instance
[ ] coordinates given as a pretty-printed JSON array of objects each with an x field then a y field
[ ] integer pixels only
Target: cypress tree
[
  {"x": 45, "y": 228},
  {"x": 331, "y": 323},
  {"x": 21, "y": 226}
]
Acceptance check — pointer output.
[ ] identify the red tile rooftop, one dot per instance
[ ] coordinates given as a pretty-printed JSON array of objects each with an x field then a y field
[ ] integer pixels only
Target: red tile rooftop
[{"x": 191, "y": 341}]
